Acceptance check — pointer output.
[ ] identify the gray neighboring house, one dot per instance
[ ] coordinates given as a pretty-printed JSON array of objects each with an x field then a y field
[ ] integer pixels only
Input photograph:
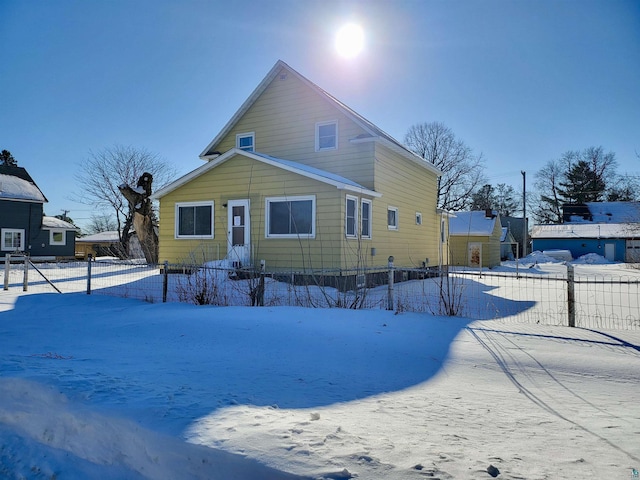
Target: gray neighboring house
[
  {"x": 516, "y": 227},
  {"x": 23, "y": 226}
]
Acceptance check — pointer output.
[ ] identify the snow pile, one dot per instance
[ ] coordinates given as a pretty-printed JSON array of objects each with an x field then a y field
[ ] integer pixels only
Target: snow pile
[
  {"x": 539, "y": 257},
  {"x": 111, "y": 388},
  {"x": 592, "y": 259}
]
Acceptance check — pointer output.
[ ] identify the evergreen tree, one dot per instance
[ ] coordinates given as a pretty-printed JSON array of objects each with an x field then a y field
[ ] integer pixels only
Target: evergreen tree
[
  {"x": 505, "y": 200},
  {"x": 484, "y": 198},
  {"x": 7, "y": 160},
  {"x": 582, "y": 184}
]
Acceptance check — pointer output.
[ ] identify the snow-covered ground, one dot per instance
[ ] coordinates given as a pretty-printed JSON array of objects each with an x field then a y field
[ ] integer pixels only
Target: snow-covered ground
[{"x": 115, "y": 388}]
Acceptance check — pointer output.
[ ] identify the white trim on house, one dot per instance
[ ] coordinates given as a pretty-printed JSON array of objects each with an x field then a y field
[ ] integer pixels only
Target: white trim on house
[
  {"x": 337, "y": 181},
  {"x": 12, "y": 248},
  {"x": 318, "y": 144},
  {"x": 368, "y": 217},
  {"x": 351, "y": 222},
  {"x": 251, "y": 135},
  {"x": 179, "y": 205},
  {"x": 393, "y": 226},
  {"x": 296, "y": 198}
]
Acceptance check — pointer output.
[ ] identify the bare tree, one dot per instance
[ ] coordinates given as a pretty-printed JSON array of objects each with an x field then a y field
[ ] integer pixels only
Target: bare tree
[
  {"x": 105, "y": 170},
  {"x": 102, "y": 223},
  {"x": 462, "y": 170},
  {"x": 549, "y": 208}
]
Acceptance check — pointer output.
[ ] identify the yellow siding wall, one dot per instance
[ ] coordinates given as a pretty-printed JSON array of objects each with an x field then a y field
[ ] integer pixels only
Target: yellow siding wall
[
  {"x": 284, "y": 120},
  {"x": 410, "y": 188},
  {"x": 241, "y": 178}
]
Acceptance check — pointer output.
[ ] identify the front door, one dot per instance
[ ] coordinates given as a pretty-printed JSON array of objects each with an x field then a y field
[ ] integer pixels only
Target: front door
[
  {"x": 475, "y": 254},
  {"x": 238, "y": 234}
]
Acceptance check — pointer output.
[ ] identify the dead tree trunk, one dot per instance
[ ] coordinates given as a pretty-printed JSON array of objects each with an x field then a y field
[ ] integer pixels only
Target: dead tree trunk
[{"x": 140, "y": 204}]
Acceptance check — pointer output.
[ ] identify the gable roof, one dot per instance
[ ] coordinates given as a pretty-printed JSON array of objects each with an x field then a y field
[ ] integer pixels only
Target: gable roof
[
  {"x": 474, "y": 223},
  {"x": 17, "y": 184},
  {"x": 337, "y": 181},
  {"x": 373, "y": 132}
]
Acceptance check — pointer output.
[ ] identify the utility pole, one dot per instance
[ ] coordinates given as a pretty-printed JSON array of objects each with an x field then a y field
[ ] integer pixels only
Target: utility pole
[
  {"x": 524, "y": 213},
  {"x": 64, "y": 214}
]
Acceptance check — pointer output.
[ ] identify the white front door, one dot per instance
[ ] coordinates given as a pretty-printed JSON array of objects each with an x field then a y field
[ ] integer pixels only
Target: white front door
[{"x": 238, "y": 232}]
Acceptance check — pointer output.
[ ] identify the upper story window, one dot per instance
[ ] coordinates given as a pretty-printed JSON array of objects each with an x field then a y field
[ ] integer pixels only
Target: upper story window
[
  {"x": 291, "y": 217},
  {"x": 194, "y": 220},
  {"x": 246, "y": 141},
  {"x": 12, "y": 239},
  {"x": 392, "y": 218},
  {"x": 418, "y": 218},
  {"x": 326, "y": 136}
]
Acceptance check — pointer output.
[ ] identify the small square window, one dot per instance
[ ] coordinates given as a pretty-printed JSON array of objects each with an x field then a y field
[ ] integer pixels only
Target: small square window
[
  {"x": 418, "y": 218},
  {"x": 326, "y": 136},
  {"x": 392, "y": 218},
  {"x": 246, "y": 141},
  {"x": 57, "y": 237}
]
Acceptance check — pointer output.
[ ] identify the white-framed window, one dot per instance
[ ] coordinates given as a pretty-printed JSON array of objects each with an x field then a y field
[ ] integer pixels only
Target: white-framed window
[
  {"x": 57, "y": 237},
  {"x": 246, "y": 141},
  {"x": 392, "y": 218},
  {"x": 291, "y": 217},
  {"x": 194, "y": 220},
  {"x": 326, "y": 135},
  {"x": 365, "y": 218},
  {"x": 351, "y": 217},
  {"x": 418, "y": 218},
  {"x": 12, "y": 239}
]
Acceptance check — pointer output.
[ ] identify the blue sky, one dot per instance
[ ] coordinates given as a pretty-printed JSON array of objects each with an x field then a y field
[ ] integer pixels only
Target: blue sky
[{"x": 520, "y": 81}]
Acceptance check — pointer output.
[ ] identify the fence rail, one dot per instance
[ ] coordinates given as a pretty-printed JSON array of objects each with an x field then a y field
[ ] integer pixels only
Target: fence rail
[{"x": 572, "y": 296}]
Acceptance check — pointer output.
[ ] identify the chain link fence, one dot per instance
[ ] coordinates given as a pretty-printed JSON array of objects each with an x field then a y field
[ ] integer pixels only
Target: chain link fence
[{"x": 587, "y": 298}]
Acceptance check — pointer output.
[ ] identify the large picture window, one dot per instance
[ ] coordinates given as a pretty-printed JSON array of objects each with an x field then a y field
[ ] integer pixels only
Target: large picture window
[
  {"x": 194, "y": 220},
  {"x": 12, "y": 239},
  {"x": 326, "y": 136},
  {"x": 291, "y": 217}
]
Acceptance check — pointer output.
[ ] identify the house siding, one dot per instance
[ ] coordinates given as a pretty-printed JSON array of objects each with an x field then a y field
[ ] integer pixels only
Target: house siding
[
  {"x": 284, "y": 119},
  {"x": 242, "y": 178},
  {"x": 582, "y": 246},
  {"x": 26, "y": 216},
  {"x": 410, "y": 188}
]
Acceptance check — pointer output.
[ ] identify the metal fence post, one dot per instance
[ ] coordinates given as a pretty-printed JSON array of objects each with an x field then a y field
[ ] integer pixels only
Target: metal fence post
[
  {"x": 7, "y": 269},
  {"x": 25, "y": 281},
  {"x": 571, "y": 296},
  {"x": 390, "y": 291},
  {"x": 263, "y": 265},
  {"x": 165, "y": 281},
  {"x": 89, "y": 274}
]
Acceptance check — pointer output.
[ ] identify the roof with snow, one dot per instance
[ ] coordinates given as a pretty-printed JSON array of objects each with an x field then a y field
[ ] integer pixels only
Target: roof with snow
[
  {"x": 472, "y": 223},
  {"x": 614, "y": 212},
  {"x": 17, "y": 184},
  {"x": 110, "y": 236},
  {"x": 53, "y": 222},
  {"x": 339, "y": 182},
  {"x": 586, "y": 230}
]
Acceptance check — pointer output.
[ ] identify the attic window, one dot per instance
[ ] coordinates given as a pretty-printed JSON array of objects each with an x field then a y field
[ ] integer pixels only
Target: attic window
[
  {"x": 326, "y": 136},
  {"x": 246, "y": 141}
]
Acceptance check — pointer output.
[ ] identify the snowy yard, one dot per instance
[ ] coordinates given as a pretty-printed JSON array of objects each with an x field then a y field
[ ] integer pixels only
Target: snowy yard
[{"x": 117, "y": 388}]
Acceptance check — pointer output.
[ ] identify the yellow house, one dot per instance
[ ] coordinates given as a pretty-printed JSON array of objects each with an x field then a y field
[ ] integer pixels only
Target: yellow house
[
  {"x": 474, "y": 239},
  {"x": 302, "y": 182}
]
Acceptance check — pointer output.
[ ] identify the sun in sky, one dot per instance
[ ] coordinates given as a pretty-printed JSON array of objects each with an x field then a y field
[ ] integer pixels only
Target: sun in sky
[{"x": 349, "y": 40}]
